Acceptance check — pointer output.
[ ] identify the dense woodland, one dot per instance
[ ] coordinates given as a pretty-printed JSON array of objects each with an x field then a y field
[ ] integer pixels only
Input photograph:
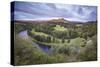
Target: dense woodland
[{"x": 55, "y": 42}]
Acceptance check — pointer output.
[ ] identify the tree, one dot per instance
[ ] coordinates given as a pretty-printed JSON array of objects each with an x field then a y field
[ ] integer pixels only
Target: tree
[
  {"x": 48, "y": 39},
  {"x": 68, "y": 41},
  {"x": 63, "y": 40}
]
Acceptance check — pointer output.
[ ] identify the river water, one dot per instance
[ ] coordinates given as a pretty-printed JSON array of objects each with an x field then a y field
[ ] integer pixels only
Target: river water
[{"x": 24, "y": 35}]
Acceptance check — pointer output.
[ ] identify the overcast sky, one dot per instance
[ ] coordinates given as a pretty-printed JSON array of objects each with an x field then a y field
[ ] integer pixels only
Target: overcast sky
[{"x": 45, "y": 11}]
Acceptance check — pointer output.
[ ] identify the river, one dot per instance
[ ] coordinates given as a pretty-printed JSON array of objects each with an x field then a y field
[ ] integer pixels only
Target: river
[{"x": 24, "y": 35}]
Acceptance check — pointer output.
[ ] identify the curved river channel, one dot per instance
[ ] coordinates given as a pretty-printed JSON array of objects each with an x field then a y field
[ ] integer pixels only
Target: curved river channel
[{"x": 24, "y": 34}]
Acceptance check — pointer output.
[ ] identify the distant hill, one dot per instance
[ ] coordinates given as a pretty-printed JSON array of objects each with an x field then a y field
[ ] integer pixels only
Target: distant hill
[{"x": 58, "y": 21}]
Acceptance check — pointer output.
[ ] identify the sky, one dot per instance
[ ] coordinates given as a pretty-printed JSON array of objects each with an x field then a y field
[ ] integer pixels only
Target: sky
[{"x": 47, "y": 11}]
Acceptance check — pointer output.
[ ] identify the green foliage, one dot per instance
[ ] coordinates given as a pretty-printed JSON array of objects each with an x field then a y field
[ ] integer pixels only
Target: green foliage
[
  {"x": 68, "y": 43},
  {"x": 63, "y": 40},
  {"x": 27, "y": 53},
  {"x": 89, "y": 53}
]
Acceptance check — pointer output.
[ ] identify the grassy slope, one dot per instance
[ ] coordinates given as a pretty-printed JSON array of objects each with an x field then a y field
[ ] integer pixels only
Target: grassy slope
[
  {"x": 77, "y": 41},
  {"x": 27, "y": 53}
]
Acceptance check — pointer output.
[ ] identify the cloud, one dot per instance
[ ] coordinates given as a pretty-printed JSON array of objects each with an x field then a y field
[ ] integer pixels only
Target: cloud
[{"x": 28, "y": 10}]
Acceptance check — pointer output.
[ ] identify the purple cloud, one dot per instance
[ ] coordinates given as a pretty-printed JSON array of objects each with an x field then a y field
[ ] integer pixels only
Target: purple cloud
[{"x": 34, "y": 11}]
